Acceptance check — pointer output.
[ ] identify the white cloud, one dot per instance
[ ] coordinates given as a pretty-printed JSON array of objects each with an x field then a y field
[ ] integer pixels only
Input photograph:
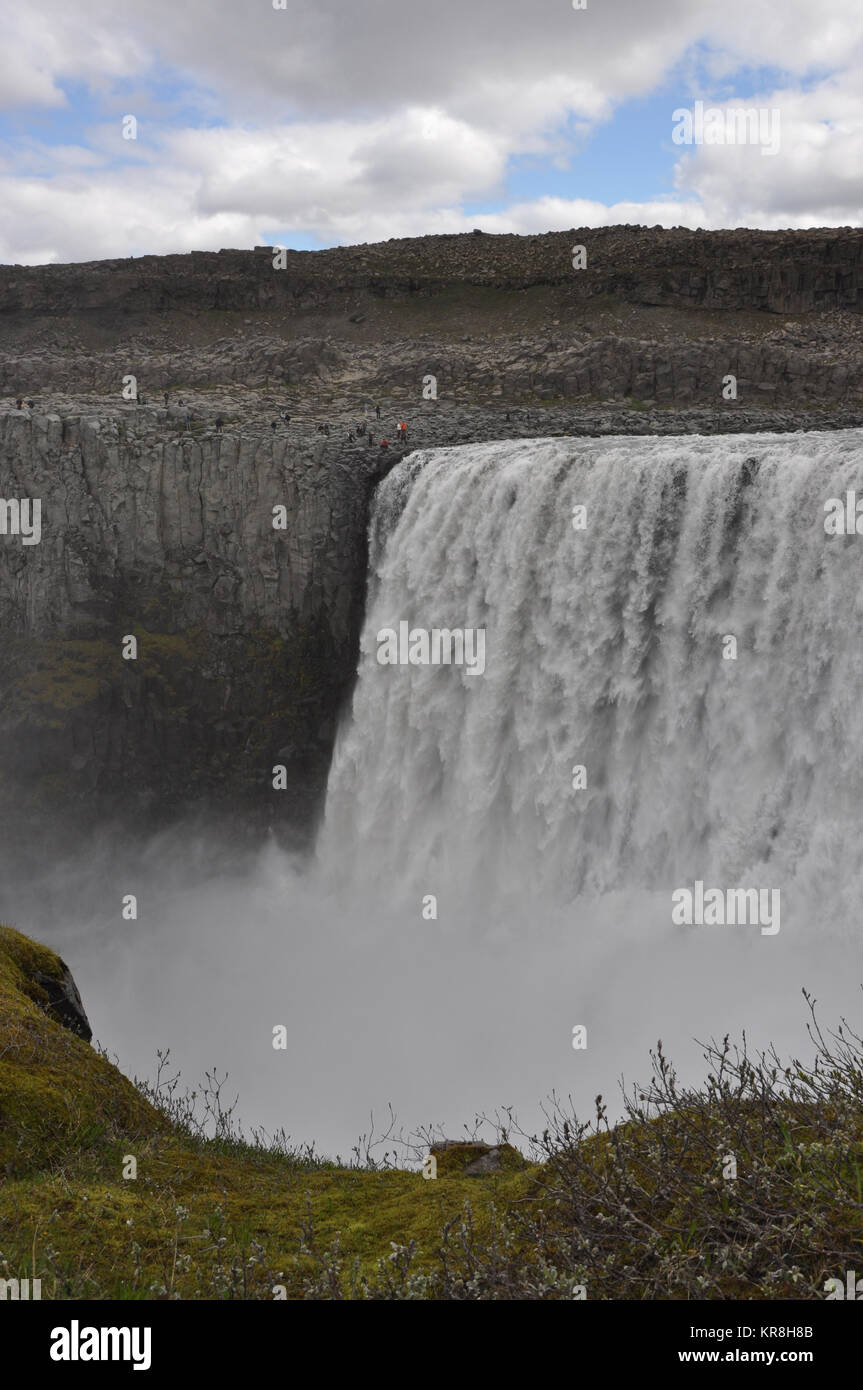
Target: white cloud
[
  {"x": 815, "y": 179},
  {"x": 364, "y": 122},
  {"x": 422, "y": 158},
  {"x": 45, "y": 44},
  {"x": 129, "y": 215}
]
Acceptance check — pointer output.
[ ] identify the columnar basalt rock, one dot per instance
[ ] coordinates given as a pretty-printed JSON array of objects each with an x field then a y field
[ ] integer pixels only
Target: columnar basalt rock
[{"x": 246, "y": 633}]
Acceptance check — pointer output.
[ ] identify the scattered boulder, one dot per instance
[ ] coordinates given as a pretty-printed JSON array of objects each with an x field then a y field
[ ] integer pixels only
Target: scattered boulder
[
  {"x": 46, "y": 980},
  {"x": 468, "y": 1159},
  {"x": 64, "y": 1001}
]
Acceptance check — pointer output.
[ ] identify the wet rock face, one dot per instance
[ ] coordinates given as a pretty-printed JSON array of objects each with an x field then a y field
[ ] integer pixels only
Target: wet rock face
[
  {"x": 127, "y": 498},
  {"x": 245, "y": 632}
]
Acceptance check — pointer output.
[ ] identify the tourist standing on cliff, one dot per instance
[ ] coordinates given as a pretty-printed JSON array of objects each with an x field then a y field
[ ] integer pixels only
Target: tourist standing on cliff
[
  {"x": 219, "y": 424},
  {"x": 378, "y": 409}
]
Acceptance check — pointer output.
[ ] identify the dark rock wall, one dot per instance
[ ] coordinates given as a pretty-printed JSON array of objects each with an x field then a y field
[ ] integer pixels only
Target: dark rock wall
[{"x": 246, "y": 634}]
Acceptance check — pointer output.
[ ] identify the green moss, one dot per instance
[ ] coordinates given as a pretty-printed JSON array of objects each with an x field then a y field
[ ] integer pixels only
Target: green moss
[
  {"x": 48, "y": 679},
  {"x": 640, "y": 1210},
  {"x": 453, "y": 1161},
  {"x": 56, "y": 1093},
  {"x": 191, "y": 1219}
]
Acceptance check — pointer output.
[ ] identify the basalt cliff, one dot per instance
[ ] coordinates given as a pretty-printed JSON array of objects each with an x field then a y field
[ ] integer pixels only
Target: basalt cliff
[{"x": 157, "y": 517}]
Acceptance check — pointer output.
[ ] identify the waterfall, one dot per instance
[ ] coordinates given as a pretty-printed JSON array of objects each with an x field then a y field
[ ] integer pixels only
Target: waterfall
[
  {"x": 468, "y": 907},
  {"x": 607, "y": 647}
]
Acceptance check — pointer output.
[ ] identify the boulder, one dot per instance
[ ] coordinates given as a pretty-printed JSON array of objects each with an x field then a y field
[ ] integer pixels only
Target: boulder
[
  {"x": 63, "y": 1000},
  {"x": 468, "y": 1159}
]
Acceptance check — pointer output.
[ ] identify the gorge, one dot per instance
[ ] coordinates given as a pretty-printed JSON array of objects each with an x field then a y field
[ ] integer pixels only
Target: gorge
[
  {"x": 553, "y": 906},
  {"x": 700, "y": 519}
]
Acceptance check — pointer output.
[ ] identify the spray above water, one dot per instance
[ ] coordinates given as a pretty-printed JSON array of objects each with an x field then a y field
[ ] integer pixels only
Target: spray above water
[{"x": 572, "y": 846}]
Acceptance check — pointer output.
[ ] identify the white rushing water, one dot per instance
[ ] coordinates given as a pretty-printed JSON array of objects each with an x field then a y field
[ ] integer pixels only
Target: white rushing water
[{"x": 604, "y": 648}]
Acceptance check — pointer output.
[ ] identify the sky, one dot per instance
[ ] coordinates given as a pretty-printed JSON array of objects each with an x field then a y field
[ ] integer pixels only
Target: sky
[{"x": 312, "y": 123}]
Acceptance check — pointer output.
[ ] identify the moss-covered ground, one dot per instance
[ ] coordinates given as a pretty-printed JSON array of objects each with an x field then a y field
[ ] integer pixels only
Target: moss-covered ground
[
  {"x": 749, "y": 1187},
  {"x": 201, "y": 1218}
]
